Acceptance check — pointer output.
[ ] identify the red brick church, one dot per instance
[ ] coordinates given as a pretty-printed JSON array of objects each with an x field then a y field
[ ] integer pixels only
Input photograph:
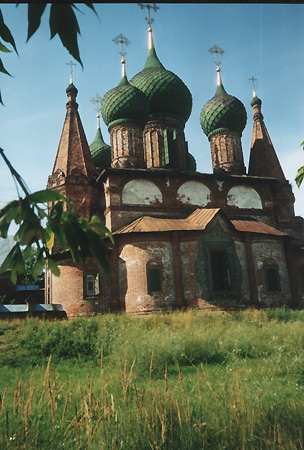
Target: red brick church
[{"x": 182, "y": 238}]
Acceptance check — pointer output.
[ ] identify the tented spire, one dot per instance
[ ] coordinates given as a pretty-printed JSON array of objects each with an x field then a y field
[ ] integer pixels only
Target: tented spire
[{"x": 263, "y": 158}]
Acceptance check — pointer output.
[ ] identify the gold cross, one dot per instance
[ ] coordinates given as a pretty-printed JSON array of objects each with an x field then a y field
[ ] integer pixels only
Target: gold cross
[
  {"x": 121, "y": 39},
  {"x": 148, "y": 6},
  {"x": 97, "y": 100},
  {"x": 253, "y": 80},
  {"x": 71, "y": 64},
  {"x": 217, "y": 50}
]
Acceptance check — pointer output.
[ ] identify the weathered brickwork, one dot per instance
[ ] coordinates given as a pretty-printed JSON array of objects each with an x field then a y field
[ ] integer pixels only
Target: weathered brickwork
[
  {"x": 127, "y": 146},
  {"x": 225, "y": 239},
  {"x": 157, "y": 141},
  {"x": 267, "y": 251},
  {"x": 70, "y": 288},
  {"x": 227, "y": 154},
  {"x": 133, "y": 259}
]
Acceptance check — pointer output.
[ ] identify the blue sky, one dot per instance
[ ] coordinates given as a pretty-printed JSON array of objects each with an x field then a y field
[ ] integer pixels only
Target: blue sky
[{"x": 261, "y": 40}]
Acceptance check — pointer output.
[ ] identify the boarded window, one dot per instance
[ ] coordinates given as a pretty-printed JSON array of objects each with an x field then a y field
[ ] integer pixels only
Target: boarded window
[
  {"x": 220, "y": 271},
  {"x": 154, "y": 277}
]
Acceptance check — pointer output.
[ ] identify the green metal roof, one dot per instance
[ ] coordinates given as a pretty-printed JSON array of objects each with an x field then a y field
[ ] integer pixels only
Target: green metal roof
[
  {"x": 223, "y": 112},
  {"x": 100, "y": 151},
  {"x": 256, "y": 101},
  {"x": 167, "y": 93},
  {"x": 125, "y": 103},
  {"x": 191, "y": 163},
  {"x": 71, "y": 88}
]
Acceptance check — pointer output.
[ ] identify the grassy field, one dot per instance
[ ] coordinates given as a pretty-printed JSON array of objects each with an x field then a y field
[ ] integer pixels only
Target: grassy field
[{"x": 188, "y": 380}]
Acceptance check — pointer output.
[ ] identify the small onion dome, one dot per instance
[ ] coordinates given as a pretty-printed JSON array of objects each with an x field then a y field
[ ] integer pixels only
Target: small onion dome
[
  {"x": 100, "y": 151},
  {"x": 223, "y": 112},
  {"x": 71, "y": 89},
  {"x": 256, "y": 101},
  {"x": 191, "y": 163},
  {"x": 125, "y": 104},
  {"x": 167, "y": 93}
]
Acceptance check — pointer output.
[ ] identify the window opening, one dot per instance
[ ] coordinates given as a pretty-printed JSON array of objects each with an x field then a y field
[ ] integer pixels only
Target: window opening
[
  {"x": 92, "y": 287},
  {"x": 272, "y": 278},
  {"x": 220, "y": 271},
  {"x": 154, "y": 277}
]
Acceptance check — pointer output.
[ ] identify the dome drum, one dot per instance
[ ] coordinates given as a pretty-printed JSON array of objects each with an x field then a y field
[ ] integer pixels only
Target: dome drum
[
  {"x": 164, "y": 143},
  {"x": 226, "y": 152},
  {"x": 223, "y": 119},
  {"x": 127, "y": 145}
]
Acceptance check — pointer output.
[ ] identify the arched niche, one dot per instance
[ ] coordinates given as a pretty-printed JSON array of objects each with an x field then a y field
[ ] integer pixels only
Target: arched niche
[
  {"x": 193, "y": 193},
  {"x": 244, "y": 197},
  {"x": 140, "y": 192}
]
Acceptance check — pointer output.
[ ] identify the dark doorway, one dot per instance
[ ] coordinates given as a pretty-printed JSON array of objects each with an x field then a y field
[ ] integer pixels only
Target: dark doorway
[{"x": 220, "y": 271}]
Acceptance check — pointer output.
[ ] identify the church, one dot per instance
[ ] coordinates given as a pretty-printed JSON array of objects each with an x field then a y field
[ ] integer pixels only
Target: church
[{"x": 182, "y": 239}]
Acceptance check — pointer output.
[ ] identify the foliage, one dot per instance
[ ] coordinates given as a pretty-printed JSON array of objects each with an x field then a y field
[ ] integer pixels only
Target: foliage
[
  {"x": 27, "y": 278},
  {"x": 105, "y": 397},
  {"x": 300, "y": 175},
  {"x": 77, "y": 235},
  {"x": 62, "y": 21}
]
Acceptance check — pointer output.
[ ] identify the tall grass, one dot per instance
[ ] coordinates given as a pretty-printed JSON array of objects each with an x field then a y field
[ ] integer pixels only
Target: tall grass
[{"x": 193, "y": 380}]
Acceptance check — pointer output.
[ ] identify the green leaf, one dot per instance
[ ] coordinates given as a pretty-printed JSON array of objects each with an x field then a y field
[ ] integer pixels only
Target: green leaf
[
  {"x": 9, "y": 212},
  {"x": 71, "y": 240},
  {"x": 45, "y": 196},
  {"x": 100, "y": 251},
  {"x": 4, "y": 49},
  {"x": 38, "y": 266},
  {"x": 91, "y": 6},
  {"x": 302, "y": 144},
  {"x": 5, "y": 33},
  {"x": 3, "y": 69},
  {"x": 7, "y": 263},
  {"x": 64, "y": 23},
  {"x": 100, "y": 227},
  {"x": 35, "y": 11},
  {"x": 300, "y": 176},
  {"x": 53, "y": 266}
]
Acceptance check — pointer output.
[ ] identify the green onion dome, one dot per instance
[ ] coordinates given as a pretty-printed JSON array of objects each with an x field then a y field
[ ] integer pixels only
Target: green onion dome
[
  {"x": 100, "y": 151},
  {"x": 71, "y": 89},
  {"x": 191, "y": 163},
  {"x": 256, "y": 101},
  {"x": 167, "y": 93},
  {"x": 223, "y": 112},
  {"x": 125, "y": 104}
]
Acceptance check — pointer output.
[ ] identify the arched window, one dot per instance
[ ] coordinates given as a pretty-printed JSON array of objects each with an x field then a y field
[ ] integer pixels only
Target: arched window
[
  {"x": 154, "y": 277},
  {"x": 244, "y": 197},
  {"x": 194, "y": 193},
  {"x": 91, "y": 284},
  {"x": 272, "y": 277},
  {"x": 141, "y": 192}
]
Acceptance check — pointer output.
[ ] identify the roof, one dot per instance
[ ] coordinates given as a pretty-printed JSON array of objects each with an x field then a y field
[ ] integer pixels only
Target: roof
[
  {"x": 197, "y": 221},
  {"x": 73, "y": 150},
  {"x": 167, "y": 93},
  {"x": 223, "y": 112},
  {"x": 147, "y": 224},
  {"x": 256, "y": 227},
  {"x": 125, "y": 103}
]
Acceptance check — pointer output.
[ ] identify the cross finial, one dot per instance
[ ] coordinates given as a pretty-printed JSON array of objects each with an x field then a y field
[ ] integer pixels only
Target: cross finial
[
  {"x": 71, "y": 64},
  {"x": 121, "y": 39},
  {"x": 96, "y": 100},
  {"x": 217, "y": 50},
  {"x": 253, "y": 80},
  {"x": 149, "y": 20}
]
